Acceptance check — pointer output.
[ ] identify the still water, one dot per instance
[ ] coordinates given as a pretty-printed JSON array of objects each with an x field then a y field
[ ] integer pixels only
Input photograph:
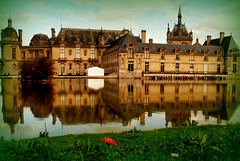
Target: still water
[{"x": 73, "y": 106}]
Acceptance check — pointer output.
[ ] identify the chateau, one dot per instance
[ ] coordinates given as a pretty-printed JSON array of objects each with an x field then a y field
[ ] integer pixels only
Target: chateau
[{"x": 122, "y": 54}]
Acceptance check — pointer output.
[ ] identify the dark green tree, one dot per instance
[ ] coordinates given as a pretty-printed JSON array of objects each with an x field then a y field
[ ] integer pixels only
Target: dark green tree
[{"x": 37, "y": 69}]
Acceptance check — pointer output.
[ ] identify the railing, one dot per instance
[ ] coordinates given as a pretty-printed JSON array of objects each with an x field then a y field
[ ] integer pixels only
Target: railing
[
  {"x": 62, "y": 59},
  {"x": 77, "y": 59},
  {"x": 92, "y": 60}
]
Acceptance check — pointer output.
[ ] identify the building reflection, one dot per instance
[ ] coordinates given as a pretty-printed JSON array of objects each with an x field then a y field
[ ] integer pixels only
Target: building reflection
[{"x": 83, "y": 101}]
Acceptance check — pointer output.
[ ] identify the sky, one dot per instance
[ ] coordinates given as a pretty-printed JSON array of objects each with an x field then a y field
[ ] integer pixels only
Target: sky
[{"x": 203, "y": 17}]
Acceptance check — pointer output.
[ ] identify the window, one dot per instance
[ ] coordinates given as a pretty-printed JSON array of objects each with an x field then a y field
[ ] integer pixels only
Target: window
[
  {"x": 77, "y": 52},
  {"x": 130, "y": 52},
  {"x": 177, "y": 55},
  {"x": 161, "y": 88},
  {"x": 23, "y": 55},
  {"x": 205, "y": 57},
  {"x": 218, "y": 88},
  {"x": 48, "y": 54},
  {"x": 130, "y": 66},
  {"x": 192, "y": 55},
  {"x": 146, "y": 89},
  {"x": 31, "y": 55},
  {"x": 146, "y": 66},
  {"x": 13, "y": 53},
  {"x": 162, "y": 67},
  {"x": 162, "y": 54},
  {"x": 70, "y": 66},
  {"x": 85, "y": 66},
  {"x": 62, "y": 100},
  {"x": 234, "y": 68},
  {"x": 130, "y": 89},
  {"x": 14, "y": 68},
  {"x": 177, "y": 67},
  {"x": 177, "y": 88},
  {"x": 62, "y": 53},
  {"x": 36, "y": 53},
  {"x": 234, "y": 58},
  {"x": 92, "y": 100},
  {"x": 191, "y": 88},
  {"x": 78, "y": 67},
  {"x": 147, "y": 53},
  {"x": 191, "y": 68},
  {"x": 233, "y": 89},
  {"x": 218, "y": 57},
  {"x": 92, "y": 53},
  {"x": 62, "y": 69},
  {"x": 218, "y": 69}
]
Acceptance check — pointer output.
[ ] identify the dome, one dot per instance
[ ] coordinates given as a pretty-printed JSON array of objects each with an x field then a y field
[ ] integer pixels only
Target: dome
[
  {"x": 38, "y": 37},
  {"x": 9, "y": 32},
  {"x": 39, "y": 40}
]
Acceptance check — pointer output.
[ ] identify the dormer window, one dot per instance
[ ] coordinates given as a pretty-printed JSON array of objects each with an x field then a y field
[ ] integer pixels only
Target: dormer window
[
  {"x": 177, "y": 54},
  {"x": 162, "y": 53},
  {"x": 130, "y": 52},
  {"x": 192, "y": 54},
  {"x": 219, "y": 56},
  {"x": 146, "y": 53},
  {"x": 235, "y": 58},
  {"x": 23, "y": 55},
  {"x": 205, "y": 55}
]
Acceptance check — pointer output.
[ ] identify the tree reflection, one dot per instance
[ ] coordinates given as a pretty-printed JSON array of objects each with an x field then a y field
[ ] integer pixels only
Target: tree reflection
[{"x": 39, "y": 97}]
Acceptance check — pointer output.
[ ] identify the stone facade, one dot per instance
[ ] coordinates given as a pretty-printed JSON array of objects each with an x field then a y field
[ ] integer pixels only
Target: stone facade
[{"x": 121, "y": 53}]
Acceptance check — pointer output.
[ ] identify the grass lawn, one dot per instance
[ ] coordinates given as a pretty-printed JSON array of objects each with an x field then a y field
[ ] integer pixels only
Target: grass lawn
[{"x": 208, "y": 143}]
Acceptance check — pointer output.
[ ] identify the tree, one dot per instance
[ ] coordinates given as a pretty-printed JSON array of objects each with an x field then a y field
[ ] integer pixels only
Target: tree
[{"x": 38, "y": 69}]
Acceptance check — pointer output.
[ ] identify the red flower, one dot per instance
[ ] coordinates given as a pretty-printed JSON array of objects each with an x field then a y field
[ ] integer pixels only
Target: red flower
[
  {"x": 109, "y": 141},
  {"x": 70, "y": 145},
  {"x": 101, "y": 158}
]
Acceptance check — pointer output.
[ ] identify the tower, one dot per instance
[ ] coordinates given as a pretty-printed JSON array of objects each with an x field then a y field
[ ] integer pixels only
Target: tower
[
  {"x": 179, "y": 34},
  {"x": 10, "y": 50}
]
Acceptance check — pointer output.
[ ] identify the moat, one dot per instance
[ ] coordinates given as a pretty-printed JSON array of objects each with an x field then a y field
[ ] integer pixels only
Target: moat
[{"x": 73, "y": 106}]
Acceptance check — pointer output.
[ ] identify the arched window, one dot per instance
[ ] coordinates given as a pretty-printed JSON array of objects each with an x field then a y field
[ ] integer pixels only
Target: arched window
[
  {"x": 62, "y": 69},
  {"x": 77, "y": 68},
  {"x": 14, "y": 68}
]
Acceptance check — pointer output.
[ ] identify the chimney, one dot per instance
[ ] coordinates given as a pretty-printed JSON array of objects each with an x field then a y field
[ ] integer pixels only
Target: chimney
[
  {"x": 208, "y": 39},
  {"x": 221, "y": 37},
  {"x": 20, "y": 36},
  {"x": 126, "y": 31},
  {"x": 53, "y": 32},
  {"x": 150, "y": 41},
  {"x": 143, "y": 36}
]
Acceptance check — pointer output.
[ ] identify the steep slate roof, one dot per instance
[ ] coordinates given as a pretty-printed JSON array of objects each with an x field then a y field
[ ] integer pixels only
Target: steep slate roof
[
  {"x": 228, "y": 43},
  {"x": 180, "y": 30},
  {"x": 156, "y": 47},
  {"x": 85, "y": 35}
]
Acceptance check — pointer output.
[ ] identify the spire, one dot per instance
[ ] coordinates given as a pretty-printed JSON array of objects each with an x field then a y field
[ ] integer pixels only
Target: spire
[
  {"x": 179, "y": 16},
  {"x": 9, "y": 22},
  {"x": 168, "y": 27}
]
